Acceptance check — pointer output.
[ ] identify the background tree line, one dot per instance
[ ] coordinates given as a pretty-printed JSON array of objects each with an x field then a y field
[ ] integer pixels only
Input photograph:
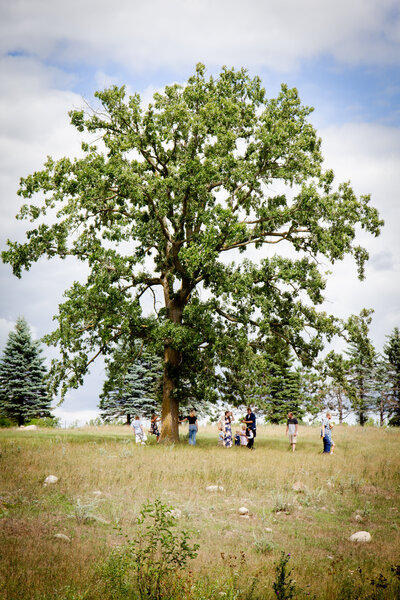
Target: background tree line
[{"x": 359, "y": 381}]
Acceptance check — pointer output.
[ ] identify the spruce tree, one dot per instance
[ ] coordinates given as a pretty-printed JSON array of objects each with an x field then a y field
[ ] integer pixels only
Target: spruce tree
[
  {"x": 392, "y": 355},
  {"x": 266, "y": 380},
  {"x": 131, "y": 390},
  {"x": 23, "y": 394},
  {"x": 361, "y": 364}
]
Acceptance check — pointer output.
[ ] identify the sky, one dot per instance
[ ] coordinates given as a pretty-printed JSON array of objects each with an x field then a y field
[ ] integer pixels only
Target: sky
[{"x": 343, "y": 56}]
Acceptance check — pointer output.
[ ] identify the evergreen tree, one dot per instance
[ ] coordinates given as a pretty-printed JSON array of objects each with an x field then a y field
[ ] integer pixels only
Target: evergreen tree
[
  {"x": 339, "y": 394},
  {"x": 392, "y": 355},
  {"x": 383, "y": 389},
  {"x": 284, "y": 383},
  {"x": 23, "y": 394},
  {"x": 264, "y": 380},
  {"x": 361, "y": 363},
  {"x": 131, "y": 390}
]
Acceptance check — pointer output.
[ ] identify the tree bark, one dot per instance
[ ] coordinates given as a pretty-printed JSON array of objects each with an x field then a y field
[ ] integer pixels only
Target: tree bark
[
  {"x": 170, "y": 405},
  {"x": 172, "y": 362}
]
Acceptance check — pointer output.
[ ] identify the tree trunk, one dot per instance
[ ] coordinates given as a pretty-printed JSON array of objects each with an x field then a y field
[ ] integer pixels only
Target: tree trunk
[
  {"x": 381, "y": 411},
  {"x": 128, "y": 419},
  {"x": 340, "y": 406},
  {"x": 170, "y": 405}
]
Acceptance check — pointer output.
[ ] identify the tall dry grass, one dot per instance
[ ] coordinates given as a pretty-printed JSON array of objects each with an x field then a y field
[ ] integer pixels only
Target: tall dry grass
[{"x": 357, "y": 488}]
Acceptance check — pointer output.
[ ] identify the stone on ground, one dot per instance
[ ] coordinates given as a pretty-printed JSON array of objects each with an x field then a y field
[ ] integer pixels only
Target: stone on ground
[
  {"x": 360, "y": 536},
  {"x": 50, "y": 479},
  {"x": 243, "y": 510},
  {"x": 214, "y": 488}
]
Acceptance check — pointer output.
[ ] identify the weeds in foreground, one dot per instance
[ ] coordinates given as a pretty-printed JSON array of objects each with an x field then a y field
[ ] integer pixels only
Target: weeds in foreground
[
  {"x": 283, "y": 586},
  {"x": 150, "y": 566}
]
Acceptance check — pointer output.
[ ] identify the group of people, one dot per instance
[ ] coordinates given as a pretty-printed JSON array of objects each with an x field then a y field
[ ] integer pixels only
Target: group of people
[{"x": 243, "y": 437}]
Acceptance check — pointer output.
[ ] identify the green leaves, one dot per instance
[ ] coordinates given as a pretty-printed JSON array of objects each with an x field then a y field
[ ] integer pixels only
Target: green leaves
[{"x": 162, "y": 204}]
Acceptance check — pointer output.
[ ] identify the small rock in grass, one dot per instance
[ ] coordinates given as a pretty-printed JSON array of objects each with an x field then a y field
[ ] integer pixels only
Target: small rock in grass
[
  {"x": 62, "y": 536},
  {"x": 50, "y": 479},
  {"x": 176, "y": 513},
  {"x": 360, "y": 536},
  {"x": 214, "y": 488},
  {"x": 268, "y": 530},
  {"x": 330, "y": 557},
  {"x": 243, "y": 510},
  {"x": 299, "y": 486},
  {"x": 97, "y": 493},
  {"x": 358, "y": 518},
  {"x": 30, "y": 428}
]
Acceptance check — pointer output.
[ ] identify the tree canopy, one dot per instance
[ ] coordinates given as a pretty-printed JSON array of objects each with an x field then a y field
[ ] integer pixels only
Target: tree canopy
[{"x": 178, "y": 208}]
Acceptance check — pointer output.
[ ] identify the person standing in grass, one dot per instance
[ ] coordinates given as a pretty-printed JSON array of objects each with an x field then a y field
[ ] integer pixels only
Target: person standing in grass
[
  {"x": 154, "y": 427},
  {"x": 250, "y": 421},
  {"x": 139, "y": 431},
  {"x": 292, "y": 427},
  {"x": 326, "y": 433},
  {"x": 250, "y": 438},
  {"x": 332, "y": 442},
  {"x": 243, "y": 435},
  {"x": 228, "y": 429},
  {"x": 193, "y": 426}
]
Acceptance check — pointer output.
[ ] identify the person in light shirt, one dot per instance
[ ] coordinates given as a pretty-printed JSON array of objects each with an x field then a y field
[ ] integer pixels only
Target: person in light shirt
[{"x": 139, "y": 431}]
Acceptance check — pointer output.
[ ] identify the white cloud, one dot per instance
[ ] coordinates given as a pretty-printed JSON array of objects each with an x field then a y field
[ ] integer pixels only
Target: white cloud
[
  {"x": 178, "y": 33},
  {"x": 368, "y": 155}
]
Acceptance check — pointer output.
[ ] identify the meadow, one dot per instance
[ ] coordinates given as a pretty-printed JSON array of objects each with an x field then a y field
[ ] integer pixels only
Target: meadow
[{"x": 104, "y": 479}]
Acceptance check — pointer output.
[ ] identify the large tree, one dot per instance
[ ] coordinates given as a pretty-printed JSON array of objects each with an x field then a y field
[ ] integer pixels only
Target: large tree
[
  {"x": 23, "y": 394},
  {"x": 163, "y": 202}
]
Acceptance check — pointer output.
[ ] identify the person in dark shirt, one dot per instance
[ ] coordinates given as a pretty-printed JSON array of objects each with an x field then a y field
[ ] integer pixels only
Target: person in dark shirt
[
  {"x": 193, "y": 426},
  {"x": 250, "y": 421},
  {"x": 292, "y": 427}
]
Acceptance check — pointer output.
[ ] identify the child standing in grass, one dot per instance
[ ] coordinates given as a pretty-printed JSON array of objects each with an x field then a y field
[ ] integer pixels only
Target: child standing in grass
[
  {"x": 250, "y": 438},
  {"x": 140, "y": 435},
  {"x": 332, "y": 442},
  {"x": 243, "y": 436},
  {"x": 326, "y": 433}
]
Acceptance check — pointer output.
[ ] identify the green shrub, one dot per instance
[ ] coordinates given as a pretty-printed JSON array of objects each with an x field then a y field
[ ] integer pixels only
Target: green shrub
[
  {"x": 48, "y": 422},
  {"x": 283, "y": 586},
  {"x": 6, "y": 422},
  {"x": 149, "y": 566}
]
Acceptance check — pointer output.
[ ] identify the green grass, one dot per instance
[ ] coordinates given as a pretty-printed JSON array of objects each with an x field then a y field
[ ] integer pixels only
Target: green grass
[{"x": 361, "y": 478}]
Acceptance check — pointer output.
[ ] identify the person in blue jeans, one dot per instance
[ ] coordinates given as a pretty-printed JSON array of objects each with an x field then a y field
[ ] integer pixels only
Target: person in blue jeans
[
  {"x": 193, "y": 426},
  {"x": 326, "y": 434}
]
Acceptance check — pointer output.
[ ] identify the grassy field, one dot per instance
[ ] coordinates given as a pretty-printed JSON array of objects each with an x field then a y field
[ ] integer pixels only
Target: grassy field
[{"x": 104, "y": 479}]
